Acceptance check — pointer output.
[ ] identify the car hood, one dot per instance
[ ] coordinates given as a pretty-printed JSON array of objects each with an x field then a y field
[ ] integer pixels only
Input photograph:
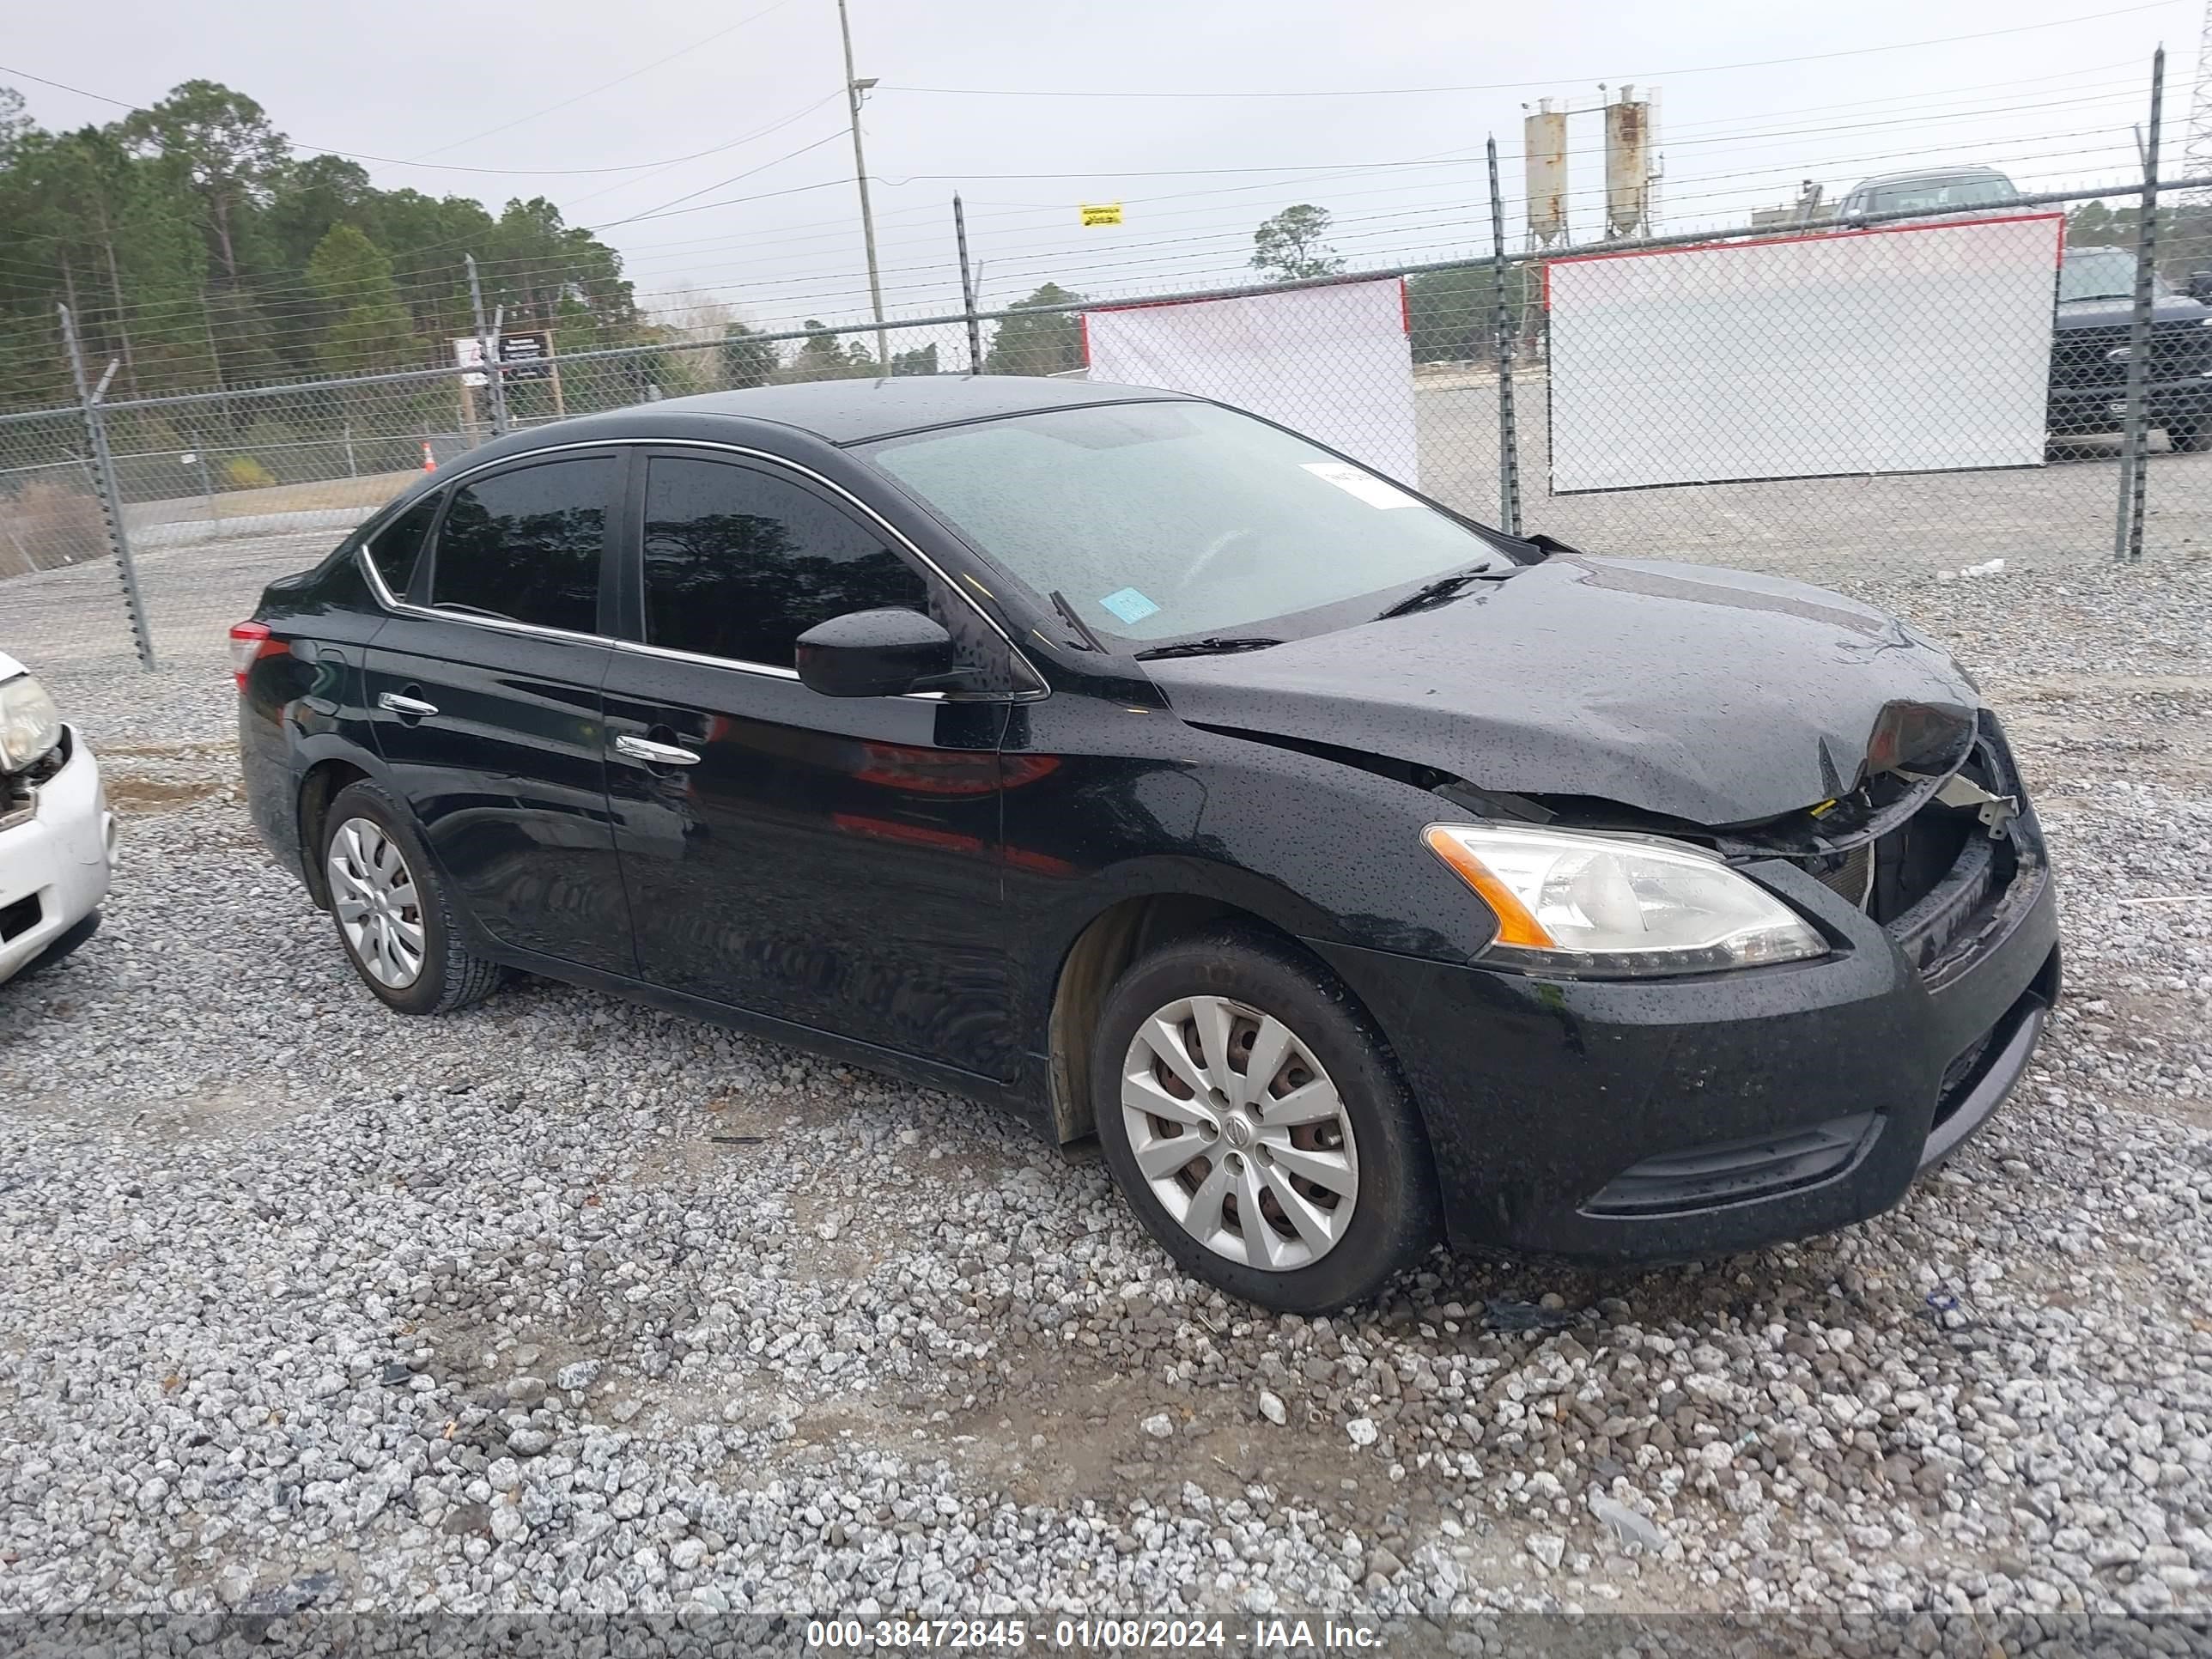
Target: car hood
[
  {"x": 2103, "y": 312},
  {"x": 1717, "y": 696}
]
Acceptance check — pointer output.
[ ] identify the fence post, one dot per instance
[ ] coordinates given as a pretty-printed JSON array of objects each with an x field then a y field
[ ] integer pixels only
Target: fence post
[
  {"x": 1509, "y": 440},
  {"x": 111, "y": 498},
  {"x": 968, "y": 289},
  {"x": 2134, "y": 436},
  {"x": 207, "y": 485}
]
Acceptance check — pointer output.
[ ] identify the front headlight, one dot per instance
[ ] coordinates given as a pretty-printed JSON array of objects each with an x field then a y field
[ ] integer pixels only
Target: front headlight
[
  {"x": 30, "y": 725},
  {"x": 1580, "y": 904}
]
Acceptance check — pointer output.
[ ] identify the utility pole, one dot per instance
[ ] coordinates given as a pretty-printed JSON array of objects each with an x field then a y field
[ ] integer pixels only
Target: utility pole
[
  {"x": 487, "y": 342},
  {"x": 855, "y": 87}
]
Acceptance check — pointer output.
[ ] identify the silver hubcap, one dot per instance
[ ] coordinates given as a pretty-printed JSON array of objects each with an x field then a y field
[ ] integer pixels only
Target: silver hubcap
[
  {"x": 1240, "y": 1134},
  {"x": 378, "y": 911}
]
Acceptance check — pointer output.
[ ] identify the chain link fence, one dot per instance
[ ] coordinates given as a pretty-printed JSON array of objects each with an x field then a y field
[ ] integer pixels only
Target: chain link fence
[{"x": 1564, "y": 392}]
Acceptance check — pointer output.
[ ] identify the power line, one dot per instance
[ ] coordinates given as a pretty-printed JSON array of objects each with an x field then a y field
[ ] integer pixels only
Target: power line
[
  {"x": 1549, "y": 81},
  {"x": 605, "y": 86},
  {"x": 301, "y": 144},
  {"x": 657, "y": 212}
]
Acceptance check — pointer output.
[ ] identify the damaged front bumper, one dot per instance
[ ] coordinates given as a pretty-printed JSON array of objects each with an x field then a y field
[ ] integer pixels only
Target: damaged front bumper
[{"x": 1690, "y": 1118}]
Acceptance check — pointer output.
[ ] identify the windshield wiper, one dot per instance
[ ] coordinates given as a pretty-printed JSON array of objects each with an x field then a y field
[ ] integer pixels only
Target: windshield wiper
[
  {"x": 1444, "y": 587},
  {"x": 1067, "y": 613},
  {"x": 1208, "y": 647}
]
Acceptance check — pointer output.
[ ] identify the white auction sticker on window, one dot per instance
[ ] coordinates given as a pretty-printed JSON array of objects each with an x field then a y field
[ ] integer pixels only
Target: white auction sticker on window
[{"x": 1366, "y": 485}]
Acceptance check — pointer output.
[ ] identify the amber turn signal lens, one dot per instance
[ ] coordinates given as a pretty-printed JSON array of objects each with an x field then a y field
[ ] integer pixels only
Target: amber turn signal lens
[{"x": 1515, "y": 925}]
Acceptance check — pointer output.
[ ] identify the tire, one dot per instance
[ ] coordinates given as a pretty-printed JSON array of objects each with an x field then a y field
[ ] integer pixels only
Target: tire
[
  {"x": 423, "y": 965},
  {"x": 2190, "y": 437},
  {"x": 1325, "y": 1048}
]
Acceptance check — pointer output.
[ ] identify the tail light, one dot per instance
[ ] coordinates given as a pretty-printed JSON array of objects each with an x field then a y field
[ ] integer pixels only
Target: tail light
[{"x": 249, "y": 643}]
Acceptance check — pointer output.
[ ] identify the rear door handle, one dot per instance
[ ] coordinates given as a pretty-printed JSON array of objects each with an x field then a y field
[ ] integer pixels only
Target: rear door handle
[
  {"x": 652, "y": 753},
  {"x": 412, "y": 708}
]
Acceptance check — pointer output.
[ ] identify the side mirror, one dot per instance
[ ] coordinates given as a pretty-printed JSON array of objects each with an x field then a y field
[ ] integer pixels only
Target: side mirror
[
  {"x": 2200, "y": 286},
  {"x": 874, "y": 653}
]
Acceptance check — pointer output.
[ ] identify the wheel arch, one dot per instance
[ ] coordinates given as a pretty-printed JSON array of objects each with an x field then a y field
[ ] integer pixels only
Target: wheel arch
[
  {"x": 1113, "y": 938},
  {"x": 318, "y": 786}
]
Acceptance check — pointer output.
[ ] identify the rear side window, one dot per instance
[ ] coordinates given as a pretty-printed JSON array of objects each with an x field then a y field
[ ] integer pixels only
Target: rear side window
[
  {"x": 395, "y": 549},
  {"x": 738, "y": 563},
  {"x": 526, "y": 545}
]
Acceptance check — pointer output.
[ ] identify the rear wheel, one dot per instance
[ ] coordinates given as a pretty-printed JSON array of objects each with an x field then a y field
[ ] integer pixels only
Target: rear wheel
[
  {"x": 2191, "y": 437},
  {"x": 1253, "y": 1119},
  {"x": 391, "y": 912}
]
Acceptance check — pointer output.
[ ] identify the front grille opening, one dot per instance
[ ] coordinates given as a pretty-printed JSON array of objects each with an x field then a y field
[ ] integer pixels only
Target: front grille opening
[
  {"x": 1732, "y": 1171},
  {"x": 19, "y": 918},
  {"x": 1938, "y": 847},
  {"x": 1848, "y": 876}
]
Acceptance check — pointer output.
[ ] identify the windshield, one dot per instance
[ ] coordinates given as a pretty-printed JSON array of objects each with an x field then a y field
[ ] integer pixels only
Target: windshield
[
  {"x": 1938, "y": 192},
  {"x": 2104, "y": 274},
  {"x": 1160, "y": 521}
]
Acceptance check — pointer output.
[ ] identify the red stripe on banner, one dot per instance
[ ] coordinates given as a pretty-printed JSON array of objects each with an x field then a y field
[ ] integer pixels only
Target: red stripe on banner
[
  {"x": 2058, "y": 219},
  {"x": 1405, "y": 309}
]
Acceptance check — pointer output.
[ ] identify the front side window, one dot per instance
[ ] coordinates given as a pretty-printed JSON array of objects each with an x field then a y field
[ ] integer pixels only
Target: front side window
[
  {"x": 1161, "y": 519},
  {"x": 395, "y": 548},
  {"x": 525, "y": 546},
  {"x": 2103, "y": 274},
  {"x": 738, "y": 563}
]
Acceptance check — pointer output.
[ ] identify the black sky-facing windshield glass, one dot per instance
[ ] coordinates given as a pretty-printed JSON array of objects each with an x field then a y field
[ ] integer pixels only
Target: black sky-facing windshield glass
[{"x": 1162, "y": 521}]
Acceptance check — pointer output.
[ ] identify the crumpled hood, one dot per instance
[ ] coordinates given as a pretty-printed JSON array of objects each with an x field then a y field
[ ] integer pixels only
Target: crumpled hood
[{"x": 1713, "y": 695}]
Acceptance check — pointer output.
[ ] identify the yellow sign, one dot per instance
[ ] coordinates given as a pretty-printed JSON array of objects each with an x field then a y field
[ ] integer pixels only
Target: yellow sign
[{"x": 1108, "y": 213}]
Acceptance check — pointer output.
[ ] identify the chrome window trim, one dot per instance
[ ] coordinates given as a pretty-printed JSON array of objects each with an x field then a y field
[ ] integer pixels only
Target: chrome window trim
[{"x": 1040, "y": 687}]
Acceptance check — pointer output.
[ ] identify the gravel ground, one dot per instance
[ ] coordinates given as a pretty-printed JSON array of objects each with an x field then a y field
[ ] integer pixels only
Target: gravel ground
[{"x": 564, "y": 1304}]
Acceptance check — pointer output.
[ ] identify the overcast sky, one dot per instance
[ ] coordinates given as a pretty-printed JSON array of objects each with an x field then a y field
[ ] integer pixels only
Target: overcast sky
[{"x": 1403, "y": 173}]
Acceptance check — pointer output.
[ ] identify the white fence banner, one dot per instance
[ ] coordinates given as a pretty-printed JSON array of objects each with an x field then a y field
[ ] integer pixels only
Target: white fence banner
[
  {"x": 1329, "y": 362},
  {"x": 1908, "y": 349}
]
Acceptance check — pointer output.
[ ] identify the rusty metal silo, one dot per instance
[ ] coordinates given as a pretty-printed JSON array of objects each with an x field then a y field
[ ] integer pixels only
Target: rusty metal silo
[
  {"x": 1544, "y": 147},
  {"x": 1628, "y": 172}
]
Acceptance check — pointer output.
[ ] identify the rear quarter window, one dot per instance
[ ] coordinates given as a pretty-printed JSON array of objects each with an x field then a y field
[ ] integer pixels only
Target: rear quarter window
[{"x": 396, "y": 548}]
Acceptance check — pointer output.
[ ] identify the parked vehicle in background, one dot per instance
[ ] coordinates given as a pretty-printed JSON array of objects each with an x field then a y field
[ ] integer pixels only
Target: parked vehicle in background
[
  {"x": 1358, "y": 873},
  {"x": 2092, "y": 340},
  {"x": 1944, "y": 193},
  {"x": 56, "y": 836}
]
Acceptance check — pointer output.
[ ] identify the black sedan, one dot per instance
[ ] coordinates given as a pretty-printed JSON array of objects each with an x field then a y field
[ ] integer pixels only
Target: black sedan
[{"x": 1358, "y": 874}]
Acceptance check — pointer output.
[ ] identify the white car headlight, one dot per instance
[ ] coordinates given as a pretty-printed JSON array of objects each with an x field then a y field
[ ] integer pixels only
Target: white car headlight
[
  {"x": 30, "y": 724},
  {"x": 1576, "y": 903}
]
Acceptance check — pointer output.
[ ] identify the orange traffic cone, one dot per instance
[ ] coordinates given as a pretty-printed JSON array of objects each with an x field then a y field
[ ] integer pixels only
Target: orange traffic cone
[{"x": 429, "y": 464}]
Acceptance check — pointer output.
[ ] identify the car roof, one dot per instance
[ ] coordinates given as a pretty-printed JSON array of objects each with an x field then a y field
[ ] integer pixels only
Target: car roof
[
  {"x": 853, "y": 411},
  {"x": 1931, "y": 172}
]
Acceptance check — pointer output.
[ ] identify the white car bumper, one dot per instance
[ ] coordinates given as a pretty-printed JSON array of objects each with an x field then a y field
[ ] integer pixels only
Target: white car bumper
[{"x": 54, "y": 858}]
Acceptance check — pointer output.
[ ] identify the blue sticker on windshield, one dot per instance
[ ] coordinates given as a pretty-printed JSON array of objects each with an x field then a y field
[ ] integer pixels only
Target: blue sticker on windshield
[{"x": 1129, "y": 606}]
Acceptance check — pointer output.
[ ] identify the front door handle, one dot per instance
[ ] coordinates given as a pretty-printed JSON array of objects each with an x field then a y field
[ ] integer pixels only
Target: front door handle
[
  {"x": 652, "y": 753},
  {"x": 413, "y": 709}
]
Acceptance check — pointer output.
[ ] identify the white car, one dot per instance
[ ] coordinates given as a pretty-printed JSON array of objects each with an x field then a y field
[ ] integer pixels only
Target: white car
[{"x": 56, "y": 836}]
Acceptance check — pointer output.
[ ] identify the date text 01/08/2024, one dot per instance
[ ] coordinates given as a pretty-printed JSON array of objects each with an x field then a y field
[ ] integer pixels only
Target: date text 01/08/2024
[{"x": 1085, "y": 1634}]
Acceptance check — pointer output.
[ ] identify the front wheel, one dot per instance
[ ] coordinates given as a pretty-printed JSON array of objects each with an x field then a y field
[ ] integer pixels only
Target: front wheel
[
  {"x": 2190, "y": 437},
  {"x": 1252, "y": 1117}
]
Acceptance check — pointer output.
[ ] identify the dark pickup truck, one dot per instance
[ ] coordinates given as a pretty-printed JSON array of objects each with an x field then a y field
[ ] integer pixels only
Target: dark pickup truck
[{"x": 2089, "y": 348}]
